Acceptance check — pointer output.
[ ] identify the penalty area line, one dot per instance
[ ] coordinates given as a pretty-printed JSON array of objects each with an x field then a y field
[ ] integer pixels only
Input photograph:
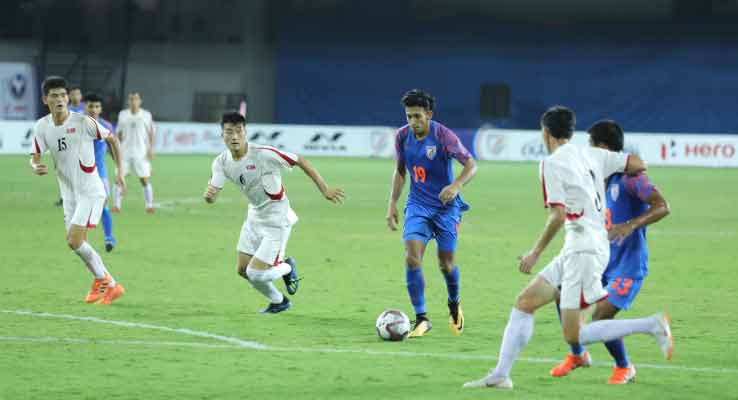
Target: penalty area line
[{"x": 236, "y": 344}]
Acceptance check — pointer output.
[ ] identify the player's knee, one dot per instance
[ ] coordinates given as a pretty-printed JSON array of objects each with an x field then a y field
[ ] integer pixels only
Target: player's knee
[
  {"x": 73, "y": 242},
  {"x": 413, "y": 260},
  {"x": 241, "y": 269},
  {"x": 525, "y": 303}
]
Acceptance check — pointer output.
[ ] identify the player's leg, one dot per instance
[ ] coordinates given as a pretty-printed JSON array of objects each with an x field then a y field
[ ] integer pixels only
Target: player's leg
[
  {"x": 143, "y": 170},
  {"x": 118, "y": 190},
  {"x": 446, "y": 229},
  {"x": 291, "y": 279},
  {"x": 86, "y": 214},
  {"x": 417, "y": 230},
  {"x": 518, "y": 332},
  {"x": 254, "y": 247},
  {"x": 107, "y": 218},
  {"x": 607, "y": 330},
  {"x": 577, "y": 357}
]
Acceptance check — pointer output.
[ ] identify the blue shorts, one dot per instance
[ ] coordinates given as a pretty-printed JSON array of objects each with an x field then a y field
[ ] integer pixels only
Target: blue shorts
[
  {"x": 424, "y": 224},
  {"x": 621, "y": 291}
]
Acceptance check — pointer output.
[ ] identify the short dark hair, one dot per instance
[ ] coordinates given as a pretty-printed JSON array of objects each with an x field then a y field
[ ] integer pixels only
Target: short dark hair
[
  {"x": 418, "y": 98},
  {"x": 93, "y": 98},
  {"x": 74, "y": 87},
  {"x": 559, "y": 121},
  {"x": 609, "y": 133},
  {"x": 54, "y": 82},
  {"x": 232, "y": 117}
]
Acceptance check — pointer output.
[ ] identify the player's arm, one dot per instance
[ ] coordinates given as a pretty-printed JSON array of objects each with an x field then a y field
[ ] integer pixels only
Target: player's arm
[
  {"x": 335, "y": 195},
  {"x": 453, "y": 147},
  {"x": 114, "y": 146},
  {"x": 38, "y": 167},
  {"x": 658, "y": 209},
  {"x": 398, "y": 182},
  {"x": 556, "y": 219},
  {"x": 449, "y": 192},
  {"x": 216, "y": 182},
  {"x": 151, "y": 131},
  {"x": 635, "y": 165}
]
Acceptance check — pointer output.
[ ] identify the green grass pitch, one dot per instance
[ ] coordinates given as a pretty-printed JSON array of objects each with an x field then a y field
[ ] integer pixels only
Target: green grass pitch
[{"x": 178, "y": 267}]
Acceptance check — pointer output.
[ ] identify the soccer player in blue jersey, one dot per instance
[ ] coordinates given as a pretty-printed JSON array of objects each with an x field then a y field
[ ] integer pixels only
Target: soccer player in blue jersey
[
  {"x": 93, "y": 107},
  {"x": 75, "y": 100},
  {"x": 633, "y": 202},
  {"x": 426, "y": 149}
]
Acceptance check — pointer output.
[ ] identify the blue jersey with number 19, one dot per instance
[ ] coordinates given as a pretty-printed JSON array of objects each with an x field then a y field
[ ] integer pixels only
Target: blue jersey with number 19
[{"x": 429, "y": 162}]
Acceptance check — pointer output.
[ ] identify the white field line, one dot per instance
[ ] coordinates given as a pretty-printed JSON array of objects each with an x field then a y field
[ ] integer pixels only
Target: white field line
[{"x": 236, "y": 344}]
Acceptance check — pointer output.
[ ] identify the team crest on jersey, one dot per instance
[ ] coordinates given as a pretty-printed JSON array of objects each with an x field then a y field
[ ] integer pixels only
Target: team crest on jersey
[
  {"x": 614, "y": 192},
  {"x": 71, "y": 130},
  {"x": 430, "y": 152},
  {"x": 250, "y": 167}
]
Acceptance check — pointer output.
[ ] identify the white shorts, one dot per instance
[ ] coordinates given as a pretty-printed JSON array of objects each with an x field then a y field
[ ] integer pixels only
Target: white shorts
[
  {"x": 141, "y": 166},
  {"x": 82, "y": 211},
  {"x": 579, "y": 278},
  {"x": 267, "y": 243}
]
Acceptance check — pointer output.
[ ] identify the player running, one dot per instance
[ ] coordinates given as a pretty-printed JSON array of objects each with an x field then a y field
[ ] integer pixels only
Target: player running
[
  {"x": 633, "y": 202},
  {"x": 136, "y": 132},
  {"x": 93, "y": 107},
  {"x": 69, "y": 137},
  {"x": 256, "y": 170},
  {"x": 425, "y": 149},
  {"x": 573, "y": 189}
]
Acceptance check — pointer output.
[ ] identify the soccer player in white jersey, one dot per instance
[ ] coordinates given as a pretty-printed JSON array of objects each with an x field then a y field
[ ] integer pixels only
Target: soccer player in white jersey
[
  {"x": 256, "y": 170},
  {"x": 573, "y": 179},
  {"x": 69, "y": 137},
  {"x": 136, "y": 132}
]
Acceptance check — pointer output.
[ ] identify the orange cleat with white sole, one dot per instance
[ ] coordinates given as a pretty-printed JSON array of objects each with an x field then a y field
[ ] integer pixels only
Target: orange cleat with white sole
[
  {"x": 112, "y": 293},
  {"x": 97, "y": 291},
  {"x": 115, "y": 210},
  {"x": 621, "y": 376},
  {"x": 570, "y": 363},
  {"x": 150, "y": 210}
]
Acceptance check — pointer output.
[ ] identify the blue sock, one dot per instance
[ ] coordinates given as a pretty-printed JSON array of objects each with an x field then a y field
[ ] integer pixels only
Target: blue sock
[
  {"x": 416, "y": 288},
  {"x": 576, "y": 349},
  {"x": 617, "y": 351},
  {"x": 452, "y": 284},
  {"x": 107, "y": 223}
]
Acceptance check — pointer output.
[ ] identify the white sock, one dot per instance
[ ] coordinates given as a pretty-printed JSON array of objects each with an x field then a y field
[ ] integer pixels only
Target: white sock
[
  {"x": 93, "y": 262},
  {"x": 262, "y": 282},
  {"x": 277, "y": 272},
  {"x": 118, "y": 197},
  {"x": 611, "y": 329},
  {"x": 518, "y": 331},
  {"x": 149, "y": 195}
]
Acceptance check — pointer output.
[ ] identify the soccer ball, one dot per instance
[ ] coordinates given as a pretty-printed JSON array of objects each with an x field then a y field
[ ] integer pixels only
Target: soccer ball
[{"x": 393, "y": 325}]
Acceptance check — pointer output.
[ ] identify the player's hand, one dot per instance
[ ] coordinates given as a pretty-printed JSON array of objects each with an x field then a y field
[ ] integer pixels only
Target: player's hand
[
  {"x": 448, "y": 193},
  {"x": 121, "y": 182},
  {"x": 527, "y": 261},
  {"x": 619, "y": 232},
  {"x": 210, "y": 194},
  {"x": 393, "y": 218},
  {"x": 335, "y": 196},
  {"x": 40, "y": 169}
]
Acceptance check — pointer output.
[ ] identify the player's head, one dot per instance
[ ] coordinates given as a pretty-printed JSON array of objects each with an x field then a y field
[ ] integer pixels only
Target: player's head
[
  {"x": 75, "y": 95},
  {"x": 55, "y": 94},
  {"x": 557, "y": 124},
  {"x": 134, "y": 100},
  {"x": 234, "y": 130},
  {"x": 418, "y": 109},
  {"x": 93, "y": 105},
  {"x": 606, "y": 134}
]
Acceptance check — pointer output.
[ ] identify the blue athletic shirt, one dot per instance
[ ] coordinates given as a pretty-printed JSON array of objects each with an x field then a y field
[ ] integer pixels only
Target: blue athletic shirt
[
  {"x": 101, "y": 148},
  {"x": 429, "y": 163},
  {"x": 627, "y": 199}
]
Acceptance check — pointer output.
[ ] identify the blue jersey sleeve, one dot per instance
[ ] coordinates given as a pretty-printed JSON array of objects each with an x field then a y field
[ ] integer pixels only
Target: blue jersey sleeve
[
  {"x": 639, "y": 186},
  {"x": 452, "y": 146}
]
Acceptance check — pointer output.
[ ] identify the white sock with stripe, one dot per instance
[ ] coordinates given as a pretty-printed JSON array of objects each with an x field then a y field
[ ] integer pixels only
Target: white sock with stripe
[
  {"x": 149, "y": 195},
  {"x": 93, "y": 262}
]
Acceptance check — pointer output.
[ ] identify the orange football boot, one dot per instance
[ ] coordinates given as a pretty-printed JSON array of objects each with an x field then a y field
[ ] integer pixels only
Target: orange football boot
[
  {"x": 570, "y": 363},
  {"x": 98, "y": 289},
  {"x": 112, "y": 293}
]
